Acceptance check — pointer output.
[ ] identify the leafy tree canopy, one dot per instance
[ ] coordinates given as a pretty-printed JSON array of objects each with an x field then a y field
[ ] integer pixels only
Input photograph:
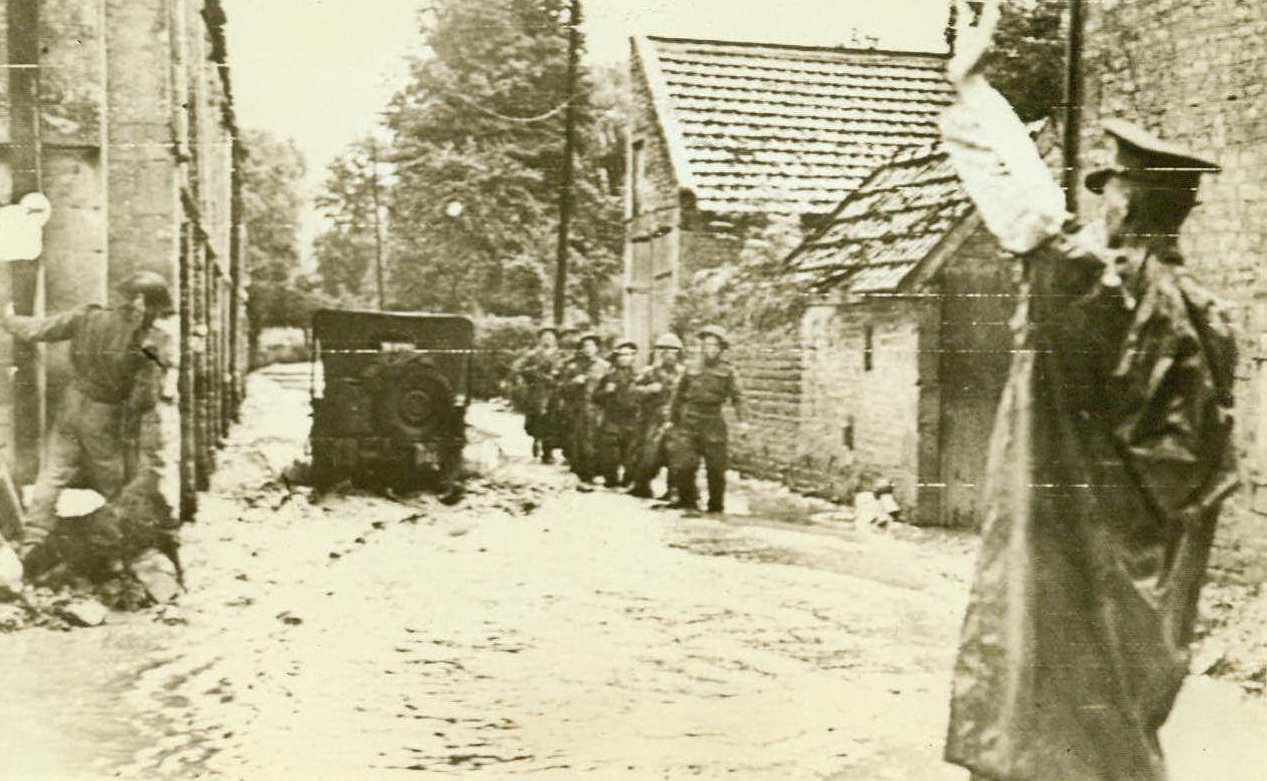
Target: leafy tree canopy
[
  {"x": 1027, "y": 62},
  {"x": 272, "y": 202},
  {"x": 476, "y": 163}
]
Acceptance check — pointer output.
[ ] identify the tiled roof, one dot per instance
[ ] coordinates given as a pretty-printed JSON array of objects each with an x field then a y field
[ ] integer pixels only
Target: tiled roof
[
  {"x": 787, "y": 129},
  {"x": 882, "y": 231}
]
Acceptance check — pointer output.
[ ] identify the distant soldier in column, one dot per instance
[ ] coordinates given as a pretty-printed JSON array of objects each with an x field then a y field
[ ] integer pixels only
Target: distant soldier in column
[
  {"x": 534, "y": 376},
  {"x": 655, "y": 387},
  {"x": 698, "y": 426},
  {"x": 619, "y": 402},
  {"x": 561, "y": 410},
  {"x": 586, "y": 418}
]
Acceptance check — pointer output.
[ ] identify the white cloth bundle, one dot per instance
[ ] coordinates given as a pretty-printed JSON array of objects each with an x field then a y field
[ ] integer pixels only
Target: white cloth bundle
[{"x": 1000, "y": 167}]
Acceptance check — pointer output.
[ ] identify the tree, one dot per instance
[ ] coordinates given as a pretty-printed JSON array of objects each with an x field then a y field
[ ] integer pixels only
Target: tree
[
  {"x": 477, "y": 152},
  {"x": 1027, "y": 61},
  {"x": 345, "y": 250},
  {"x": 272, "y": 201},
  {"x": 755, "y": 294}
]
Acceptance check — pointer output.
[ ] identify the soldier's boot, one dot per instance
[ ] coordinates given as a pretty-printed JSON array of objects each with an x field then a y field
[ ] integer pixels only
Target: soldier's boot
[
  {"x": 641, "y": 489},
  {"x": 686, "y": 500},
  {"x": 715, "y": 463},
  {"x": 40, "y": 559}
]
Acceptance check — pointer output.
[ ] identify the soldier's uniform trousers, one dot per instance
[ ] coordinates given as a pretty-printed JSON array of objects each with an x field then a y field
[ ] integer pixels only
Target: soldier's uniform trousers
[
  {"x": 87, "y": 439},
  {"x": 586, "y": 428},
  {"x": 618, "y": 449},
  {"x": 693, "y": 440},
  {"x": 650, "y": 456}
]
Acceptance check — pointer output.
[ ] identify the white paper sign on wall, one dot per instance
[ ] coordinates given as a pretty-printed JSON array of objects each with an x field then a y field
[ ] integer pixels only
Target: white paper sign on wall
[{"x": 22, "y": 227}]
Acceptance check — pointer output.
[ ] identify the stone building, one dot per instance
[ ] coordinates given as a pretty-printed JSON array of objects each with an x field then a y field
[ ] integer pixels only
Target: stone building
[
  {"x": 1194, "y": 73},
  {"x": 725, "y": 133},
  {"x": 906, "y": 347},
  {"x": 121, "y": 112}
]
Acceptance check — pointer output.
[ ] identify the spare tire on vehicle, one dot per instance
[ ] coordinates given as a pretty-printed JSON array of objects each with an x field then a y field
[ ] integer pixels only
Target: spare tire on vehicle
[{"x": 413, "y": 398}]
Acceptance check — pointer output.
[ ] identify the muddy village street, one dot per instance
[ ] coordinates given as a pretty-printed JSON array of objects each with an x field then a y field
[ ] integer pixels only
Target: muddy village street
[{"x": 532, "y": 630}]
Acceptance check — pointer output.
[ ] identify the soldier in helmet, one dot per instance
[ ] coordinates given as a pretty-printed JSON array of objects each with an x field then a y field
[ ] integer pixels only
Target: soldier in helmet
[
  {"x": 534, "y": 375},
  {"x": 118, "y": 362},
  {"x": 618, "y": 437},
  {"x": 655, "y": 387},
  {"x": 699, "y": 429},
  {"x": 585, "y": 420},
  {"x": 560, "y": 408}
]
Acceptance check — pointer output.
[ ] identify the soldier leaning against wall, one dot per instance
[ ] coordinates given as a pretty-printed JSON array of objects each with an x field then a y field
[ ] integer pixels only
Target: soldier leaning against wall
[{"x": 107, "y": 434}]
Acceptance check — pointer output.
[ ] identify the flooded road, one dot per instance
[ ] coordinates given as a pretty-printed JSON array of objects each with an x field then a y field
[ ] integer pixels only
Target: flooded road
[{"x": 532, "y": 630}]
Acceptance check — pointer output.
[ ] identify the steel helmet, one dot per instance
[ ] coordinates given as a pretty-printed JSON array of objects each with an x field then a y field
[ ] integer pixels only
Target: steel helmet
[
  {"x": 717, "y": 332},
  {"x": 153, "y": 287},
  {"x": 668, "y": 341}
]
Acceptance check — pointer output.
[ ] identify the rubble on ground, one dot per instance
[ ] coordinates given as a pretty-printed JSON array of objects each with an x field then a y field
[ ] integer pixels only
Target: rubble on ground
[{"x": 1232, "y": 635}]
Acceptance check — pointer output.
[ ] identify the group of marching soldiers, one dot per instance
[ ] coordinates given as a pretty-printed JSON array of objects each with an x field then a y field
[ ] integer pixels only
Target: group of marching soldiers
[{"x": 609, "y": 420}]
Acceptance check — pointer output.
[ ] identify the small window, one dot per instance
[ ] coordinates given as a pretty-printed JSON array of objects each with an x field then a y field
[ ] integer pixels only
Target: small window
[
  {"x": 868, "y": 349},
  {"x": 635, "y": 178}
]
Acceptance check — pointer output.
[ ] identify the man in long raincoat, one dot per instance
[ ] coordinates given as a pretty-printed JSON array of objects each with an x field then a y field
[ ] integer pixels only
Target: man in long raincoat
[{"x": 1111, "y": 453}]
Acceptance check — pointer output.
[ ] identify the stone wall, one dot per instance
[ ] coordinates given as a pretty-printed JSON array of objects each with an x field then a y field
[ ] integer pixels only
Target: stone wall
[
  {"x": 828, "y": 414},
  {"x": 769, "y": 368},
  {"x": 861, "y": 399}
]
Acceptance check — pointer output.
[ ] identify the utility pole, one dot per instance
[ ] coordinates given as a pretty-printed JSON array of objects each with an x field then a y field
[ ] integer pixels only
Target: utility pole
[
  {"x": 569, "y": 144},
  {"x": 378, "y": 227},
  {"x": 1073, "y": 104}
]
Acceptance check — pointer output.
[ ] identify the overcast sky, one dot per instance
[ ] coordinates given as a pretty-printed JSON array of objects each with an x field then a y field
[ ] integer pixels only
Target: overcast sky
[{"x": 319, "y": 71}]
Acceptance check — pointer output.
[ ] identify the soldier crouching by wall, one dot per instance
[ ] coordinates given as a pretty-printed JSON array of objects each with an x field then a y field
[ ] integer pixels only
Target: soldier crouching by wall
[
  {"x": 698, "y": 427},
  {"x": 655, "y": 387},
  {"x": 618, "y": 437},
  {"x": 106, "y": 435}
]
